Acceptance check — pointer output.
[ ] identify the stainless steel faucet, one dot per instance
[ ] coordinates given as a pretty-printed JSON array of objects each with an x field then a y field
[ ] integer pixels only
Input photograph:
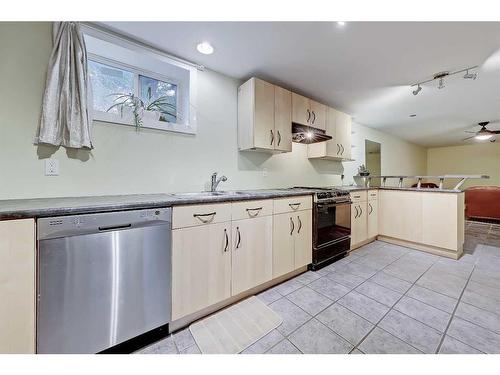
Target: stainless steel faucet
[{"x": 216, "y": 181}]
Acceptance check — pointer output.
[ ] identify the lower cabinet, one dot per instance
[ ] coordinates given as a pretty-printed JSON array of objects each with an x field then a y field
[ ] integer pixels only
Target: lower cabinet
[
  {"x": 252, "y": 253},
  {"x": 226, "y": 249},
  {"x": 372, "y": 213},
  {"x": 292, "y": 241},
  {"x": 17, "y": 286},
  {"x": 359, "y": 223},
  {"x": 201, "y": 267}
]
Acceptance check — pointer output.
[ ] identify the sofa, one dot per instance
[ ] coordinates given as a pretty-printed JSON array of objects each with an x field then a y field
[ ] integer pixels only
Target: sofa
[{"x": 482, "y": 202}]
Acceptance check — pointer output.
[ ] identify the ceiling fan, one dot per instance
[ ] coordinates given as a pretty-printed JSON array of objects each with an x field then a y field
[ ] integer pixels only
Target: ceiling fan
[{"x": 483, "y": 134}]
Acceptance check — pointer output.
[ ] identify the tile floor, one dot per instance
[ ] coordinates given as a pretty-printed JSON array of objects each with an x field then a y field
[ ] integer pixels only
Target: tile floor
[{"x": 384, "y": 298}]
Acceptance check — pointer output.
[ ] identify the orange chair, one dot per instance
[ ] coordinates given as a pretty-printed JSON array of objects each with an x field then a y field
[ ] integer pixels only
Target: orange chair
[{"x": 482, "y": 202}]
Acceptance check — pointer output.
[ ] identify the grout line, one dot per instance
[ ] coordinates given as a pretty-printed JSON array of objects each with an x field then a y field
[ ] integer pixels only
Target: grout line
[
  {"x": 404, "y": 294},
  {"x": 453, "y": 313}
]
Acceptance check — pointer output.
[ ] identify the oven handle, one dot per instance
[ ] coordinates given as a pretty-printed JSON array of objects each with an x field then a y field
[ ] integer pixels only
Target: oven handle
[{"x": 321, "y": 205}]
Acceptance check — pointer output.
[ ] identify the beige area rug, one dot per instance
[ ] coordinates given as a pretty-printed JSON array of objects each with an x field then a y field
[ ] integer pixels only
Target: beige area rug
[{"x": 235, "y": 328}]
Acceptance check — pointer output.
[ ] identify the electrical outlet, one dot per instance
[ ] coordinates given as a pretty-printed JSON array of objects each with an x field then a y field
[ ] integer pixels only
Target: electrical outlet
[
  {"x": 264, "y": 172},
  {"x": 51, "y": 167}
]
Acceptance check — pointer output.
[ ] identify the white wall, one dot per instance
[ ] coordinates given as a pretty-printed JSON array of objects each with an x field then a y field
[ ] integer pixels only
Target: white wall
[
  {"x": 125, "y": 161},
  {"x": 478, "y": 158}
]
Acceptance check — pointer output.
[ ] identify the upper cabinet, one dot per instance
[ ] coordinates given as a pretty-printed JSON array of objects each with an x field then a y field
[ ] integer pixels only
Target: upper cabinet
[
  {"x": 264, "y": 117},
  {"x": 308, "y": 112},
  {"x": 338, "y": 125},
  {"x": 266, "y": 113}
]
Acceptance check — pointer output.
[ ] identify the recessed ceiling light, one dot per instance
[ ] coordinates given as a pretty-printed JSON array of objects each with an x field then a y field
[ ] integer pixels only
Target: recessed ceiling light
[
  {"x": 341, "y": 23},
  {"x": 205, "y": 48}
]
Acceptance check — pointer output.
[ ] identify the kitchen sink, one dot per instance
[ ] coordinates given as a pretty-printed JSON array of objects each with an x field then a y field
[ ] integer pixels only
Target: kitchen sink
[{"x": 208, "y": 194}]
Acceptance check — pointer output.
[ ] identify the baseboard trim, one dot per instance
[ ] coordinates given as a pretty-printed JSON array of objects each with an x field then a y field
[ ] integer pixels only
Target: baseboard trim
[
  {"x": 427, "y": 248},
  {"x": 185, "y": 321}
]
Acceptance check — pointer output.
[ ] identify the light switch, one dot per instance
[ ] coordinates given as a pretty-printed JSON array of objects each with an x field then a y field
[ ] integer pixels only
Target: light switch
[
  {"x": 51, "y": 167},
  {"x": 264, "y": 172}
]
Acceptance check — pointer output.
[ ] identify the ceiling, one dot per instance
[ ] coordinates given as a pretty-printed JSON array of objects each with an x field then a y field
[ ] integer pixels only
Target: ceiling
[{"x": 362, "y": 68}]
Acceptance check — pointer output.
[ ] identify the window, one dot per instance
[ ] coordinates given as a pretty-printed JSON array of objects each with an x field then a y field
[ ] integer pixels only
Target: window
[{"x": 131, "y": 85}]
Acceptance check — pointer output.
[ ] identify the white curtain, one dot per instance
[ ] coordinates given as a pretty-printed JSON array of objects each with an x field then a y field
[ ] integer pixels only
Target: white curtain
[{"x": 66, "y": 118}]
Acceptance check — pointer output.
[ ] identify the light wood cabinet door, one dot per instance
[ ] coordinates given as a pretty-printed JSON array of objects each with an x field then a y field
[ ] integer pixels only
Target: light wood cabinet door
[
  {"x": 400, "y": 214},
  {"x": 318, "y": 115},
  {"x": 282, "y": 119},
  {"x": 201, "y": 267},
  {"x": 264, "y": 135},
  {"x": 359, "y": 223},
  {"x": 440, "y": 225},
  {"x": 301, "y": 113},
  {"x": 303, "y": 238},
  {"x": 372, "y": 218},
  {"x": 343, "y": 134},
  {"x": 283, "y": 244},
  {"x": 252, "y": 253},
  {"x": 17, "y": 286}
]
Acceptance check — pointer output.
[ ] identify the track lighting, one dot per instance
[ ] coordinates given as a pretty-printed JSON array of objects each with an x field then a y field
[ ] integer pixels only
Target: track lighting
[
  {"x": 440, "y": 78},
  {"x": 441, "y": 83},
  {"x": 468, "y": 75}
]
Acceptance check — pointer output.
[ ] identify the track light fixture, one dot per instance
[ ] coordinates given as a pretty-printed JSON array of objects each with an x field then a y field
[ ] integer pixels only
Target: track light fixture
[
  {"x": 440, "y": 78},
  {"x": 468, "y": 75}
]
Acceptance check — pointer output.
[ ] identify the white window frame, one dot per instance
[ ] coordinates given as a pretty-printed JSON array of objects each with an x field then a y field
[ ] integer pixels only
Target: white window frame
[{"x": 189, "y": 126}]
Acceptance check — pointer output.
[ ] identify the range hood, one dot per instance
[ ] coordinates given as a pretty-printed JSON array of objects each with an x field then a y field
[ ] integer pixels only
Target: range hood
[{"x": 308, "y": 134}]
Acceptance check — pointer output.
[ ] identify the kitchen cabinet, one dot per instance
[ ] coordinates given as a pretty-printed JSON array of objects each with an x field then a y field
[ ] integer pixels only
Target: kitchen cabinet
[
  {"x": 364, "y": 217},
  {"x": 429, "y": 221},
  {"x": 292, "y": 235},
  {"x": 400, "y": 214},
  {"x": 17, "y": 286},
  {"x": 318, "y": 115},
  {"x": 306, "y": 111},
  {"x": 359, "y": 223},
  {"x": 264, "y": 117},
  {"x": 201, "y": 267},
  {"x": 372, "y": 213},
  {"x": 338, "y": 126},
  {"x": 252, "y": 253}
]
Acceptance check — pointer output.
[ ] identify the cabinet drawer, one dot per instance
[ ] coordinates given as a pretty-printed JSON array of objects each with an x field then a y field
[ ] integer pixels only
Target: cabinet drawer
[
  {"x": 190, "y": 216},
  {"x": 359, "y": 196},
  {"x": 372, "y": 195},
  {"x": 249, "y": 209},
  {"x": 291, "y": 204}
]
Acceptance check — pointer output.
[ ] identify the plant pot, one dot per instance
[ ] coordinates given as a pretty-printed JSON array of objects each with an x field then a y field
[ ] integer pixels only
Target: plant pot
[{"x": 151, "y": 115}]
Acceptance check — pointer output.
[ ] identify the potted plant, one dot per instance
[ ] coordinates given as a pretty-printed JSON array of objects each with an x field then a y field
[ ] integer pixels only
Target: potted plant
[{"x": 150, "y": 110}]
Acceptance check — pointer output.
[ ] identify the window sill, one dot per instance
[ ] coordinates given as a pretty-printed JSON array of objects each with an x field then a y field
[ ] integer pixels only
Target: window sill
[{"x": 128, "y": 120}]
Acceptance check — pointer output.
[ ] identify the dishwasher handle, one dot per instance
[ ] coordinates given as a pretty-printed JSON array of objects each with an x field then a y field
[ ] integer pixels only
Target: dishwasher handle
[{"x": 115, "y": 227}]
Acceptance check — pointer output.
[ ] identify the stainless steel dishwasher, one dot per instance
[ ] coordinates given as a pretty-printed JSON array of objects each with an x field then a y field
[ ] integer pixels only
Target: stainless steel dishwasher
[{"x": 102, "y": 279}]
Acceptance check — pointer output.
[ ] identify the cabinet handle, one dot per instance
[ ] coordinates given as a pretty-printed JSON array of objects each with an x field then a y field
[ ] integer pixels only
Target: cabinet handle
[
  {"x": 356, "y": 208},
  {"x": 308, "y": 116},
  {"x": 294, "y": 206},
  {"x": 292, "y": 226},
  {"x": 361, "y": 211},
  {"x": 227, "y": 240},
  {"x": 338, "y": 149},
  {"x": 342, "y": 153},
  {"x": 300, "y": 224},
  {"x": 371, "y": 208},
  {"x": 314, "y": 117},
  {"x": 211, "y": 216},
  {"x": 239, "y": 237},
  {"x": 252, "y": 212},
  {"x": 279, "y": 137},
  {"x": 272, "y": 136}
]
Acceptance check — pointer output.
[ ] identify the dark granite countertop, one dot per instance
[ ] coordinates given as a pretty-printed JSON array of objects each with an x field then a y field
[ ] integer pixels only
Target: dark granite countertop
[{"x": 44, "y": 207}]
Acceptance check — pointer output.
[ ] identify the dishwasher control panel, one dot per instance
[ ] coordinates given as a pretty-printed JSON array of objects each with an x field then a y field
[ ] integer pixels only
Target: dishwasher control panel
[{"x": 54, "y": 227}]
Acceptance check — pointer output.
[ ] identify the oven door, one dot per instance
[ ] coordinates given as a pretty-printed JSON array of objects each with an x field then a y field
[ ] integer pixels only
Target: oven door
[{"x": 333, "y": 223}]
